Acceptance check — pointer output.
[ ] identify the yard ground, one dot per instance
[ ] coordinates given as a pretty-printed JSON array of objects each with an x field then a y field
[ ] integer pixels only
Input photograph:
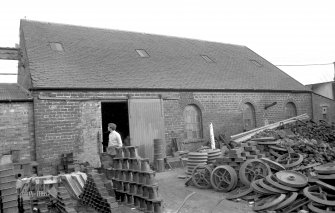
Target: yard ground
[{"x": 173, "y": 191}]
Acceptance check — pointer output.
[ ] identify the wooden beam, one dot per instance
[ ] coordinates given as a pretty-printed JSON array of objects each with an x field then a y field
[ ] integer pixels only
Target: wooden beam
[{"x": 8, "y": 53}]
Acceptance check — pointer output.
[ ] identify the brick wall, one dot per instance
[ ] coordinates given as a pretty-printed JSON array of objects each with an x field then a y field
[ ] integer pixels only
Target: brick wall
[
  {"x": 16, "y": 129},
  {"x": 224, "y": 110},
  {"x": 73, "y": 119},
  {"x": 320, "y": 102}
]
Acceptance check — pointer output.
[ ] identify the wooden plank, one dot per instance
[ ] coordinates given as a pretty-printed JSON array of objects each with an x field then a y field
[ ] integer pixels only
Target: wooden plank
[
  {"x": 247, "y": 135},
  {"x": 9, "y": 53}
]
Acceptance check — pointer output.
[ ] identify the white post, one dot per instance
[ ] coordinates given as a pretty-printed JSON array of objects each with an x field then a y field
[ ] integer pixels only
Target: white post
[{"x": 211, "y": 134}]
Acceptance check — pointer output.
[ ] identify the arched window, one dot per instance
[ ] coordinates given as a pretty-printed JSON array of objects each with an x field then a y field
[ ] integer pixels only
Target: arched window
[
  {"x": 290, "y": 110},
  {"x": 192, "y": 118},
  {"x": 249, "y": 117}
]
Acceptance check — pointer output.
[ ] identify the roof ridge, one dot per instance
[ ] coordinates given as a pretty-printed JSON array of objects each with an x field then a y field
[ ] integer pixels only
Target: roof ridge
[{"x": 128, "y": 31}]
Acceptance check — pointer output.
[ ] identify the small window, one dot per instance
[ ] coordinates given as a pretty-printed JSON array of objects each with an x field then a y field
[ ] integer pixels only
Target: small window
[
  {"x": 249, "y": 117},
  {"x": 142, "y": 53},
  {"x": 290, "y": 110},
  {"x": 207, "y": 59},
  {"x": 192, "y": 118},
  {"x": 56, "y": 46},
  {"x": 257, "y": 63}
]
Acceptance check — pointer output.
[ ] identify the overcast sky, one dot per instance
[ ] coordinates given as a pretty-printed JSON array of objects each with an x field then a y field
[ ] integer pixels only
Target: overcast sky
[{"x": 285, "y": 32}]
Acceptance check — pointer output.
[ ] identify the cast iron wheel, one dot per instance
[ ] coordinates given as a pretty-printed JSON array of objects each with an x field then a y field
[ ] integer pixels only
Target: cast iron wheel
[
  {"x": 289, "y": 199},
  {"x": 224, "y": 178},
  {"x": 273, "y": 164},
  {"x": 268, "y": 202},
  {"x": 268, "y": 186},
  {"x": 201, "y": 176},
  {"x": 252, "y": 170},
  {"x": 317, "y": 194},
  {"x": 273, "y": 181},
  {"x": 239, "y": 192},
  {"x": 290, "y": 160},
  {"x": 291, "y": 178},
  {"x": 315, "y": 207},
  {"x": 325, "y": 169},
  {"x": 257, "y": 188}
]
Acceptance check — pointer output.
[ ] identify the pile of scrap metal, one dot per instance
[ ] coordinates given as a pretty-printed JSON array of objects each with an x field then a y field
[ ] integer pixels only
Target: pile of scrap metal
[
  {"x": 45, "y": 192},
  {"x": 262, "y": 156},
  {"x": 288, "y": 191}
]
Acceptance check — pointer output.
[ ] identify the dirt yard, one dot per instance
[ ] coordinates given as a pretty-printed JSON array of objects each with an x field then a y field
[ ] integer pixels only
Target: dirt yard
[{"x": 173, "y": 191}]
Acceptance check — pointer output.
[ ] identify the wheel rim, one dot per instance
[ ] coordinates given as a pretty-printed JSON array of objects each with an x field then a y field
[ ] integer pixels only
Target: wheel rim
[
  {"x": 318, "y": 208},
  {"x": 291, "y": 178},
  {"x": 270, "y": 179},
  {"x": 273, "y": 164},
  {"x": 290, "y": 160},
  {"x": 317, "y": 194},
  {"x": 201, "y": 176},
  {"x": 267, "y": 186},
  {"x": 239, "y": 192},
  {"x": 269, "y": 202},
  {"x": 223, "y": 178},
  {"x": 290, "y": 199},
  {"x": 257, "y": 188},
  {"x": 252, "y": 170}
]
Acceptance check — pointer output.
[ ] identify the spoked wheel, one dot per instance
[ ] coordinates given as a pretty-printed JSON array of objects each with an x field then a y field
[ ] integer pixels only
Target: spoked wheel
[
  {"x": 201, "y": 176},
  {"x": 252, "y": 170},
  {"x": 319, "y": 195},
  {"x": 290, "y": 160},
  {"x": 224, "y": 178}
]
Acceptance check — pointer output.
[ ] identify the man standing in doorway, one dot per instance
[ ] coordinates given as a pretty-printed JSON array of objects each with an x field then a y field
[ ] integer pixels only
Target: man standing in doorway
[{"x": 114, "y": 139}]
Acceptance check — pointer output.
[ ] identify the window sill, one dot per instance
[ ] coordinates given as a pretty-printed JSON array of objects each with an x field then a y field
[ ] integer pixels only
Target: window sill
[{"x": 186, "y": 141}]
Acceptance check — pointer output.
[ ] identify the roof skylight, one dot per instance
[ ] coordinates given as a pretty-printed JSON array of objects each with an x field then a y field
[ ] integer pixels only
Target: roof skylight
[
  {"x": 142, "y": 53},
  {"x": 207, "y": 58},
  {"x": 56, "y": 46}
]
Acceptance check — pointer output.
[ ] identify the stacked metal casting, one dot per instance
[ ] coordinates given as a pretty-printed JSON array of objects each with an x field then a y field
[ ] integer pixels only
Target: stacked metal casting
[
  {"x": 194, "y": 159},
  {"x": 9, "y": 197},
  {"x": 64, "y": 201},
  {"x": 96, "y": 195},
  {"x": 159, "y": 155},
  {"x": 134, "y": 181}
]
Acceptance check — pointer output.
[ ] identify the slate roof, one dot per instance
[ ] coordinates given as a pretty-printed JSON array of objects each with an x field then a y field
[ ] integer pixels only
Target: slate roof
[
  {"x": 102, "y": 58},
  {"x": 13, "y": 92}
]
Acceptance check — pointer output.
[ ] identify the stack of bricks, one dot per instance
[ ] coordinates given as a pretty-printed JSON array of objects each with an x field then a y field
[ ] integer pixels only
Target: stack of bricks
[
  {"x": 96, "y": 195},
  {"x": 64, "y": 201},
  {"x": 134, "y": 182},
  {"x": 237, "y": 156},
  {"x": 8, "y": 193}
]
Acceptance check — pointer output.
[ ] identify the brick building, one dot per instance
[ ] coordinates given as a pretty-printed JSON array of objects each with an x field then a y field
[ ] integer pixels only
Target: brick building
[
  {"x": 16, "y": 121},
  {"x": 151, "y": 86}
]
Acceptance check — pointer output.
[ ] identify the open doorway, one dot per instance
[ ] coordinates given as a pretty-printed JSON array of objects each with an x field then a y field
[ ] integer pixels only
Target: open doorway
[{"x": 115, "y": 112}]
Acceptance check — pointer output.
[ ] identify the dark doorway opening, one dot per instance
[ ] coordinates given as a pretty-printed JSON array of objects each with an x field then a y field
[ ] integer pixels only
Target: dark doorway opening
[{"x": 115, "y": 112}]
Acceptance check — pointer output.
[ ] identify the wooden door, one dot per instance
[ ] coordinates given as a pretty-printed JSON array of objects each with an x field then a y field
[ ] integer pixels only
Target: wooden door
[{"x": 146, "y": 123}]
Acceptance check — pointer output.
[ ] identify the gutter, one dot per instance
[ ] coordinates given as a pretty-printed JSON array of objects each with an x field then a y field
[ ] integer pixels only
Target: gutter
[
  {"x": 16, "y": 100},
  {"x": 165, "y": 90}
]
